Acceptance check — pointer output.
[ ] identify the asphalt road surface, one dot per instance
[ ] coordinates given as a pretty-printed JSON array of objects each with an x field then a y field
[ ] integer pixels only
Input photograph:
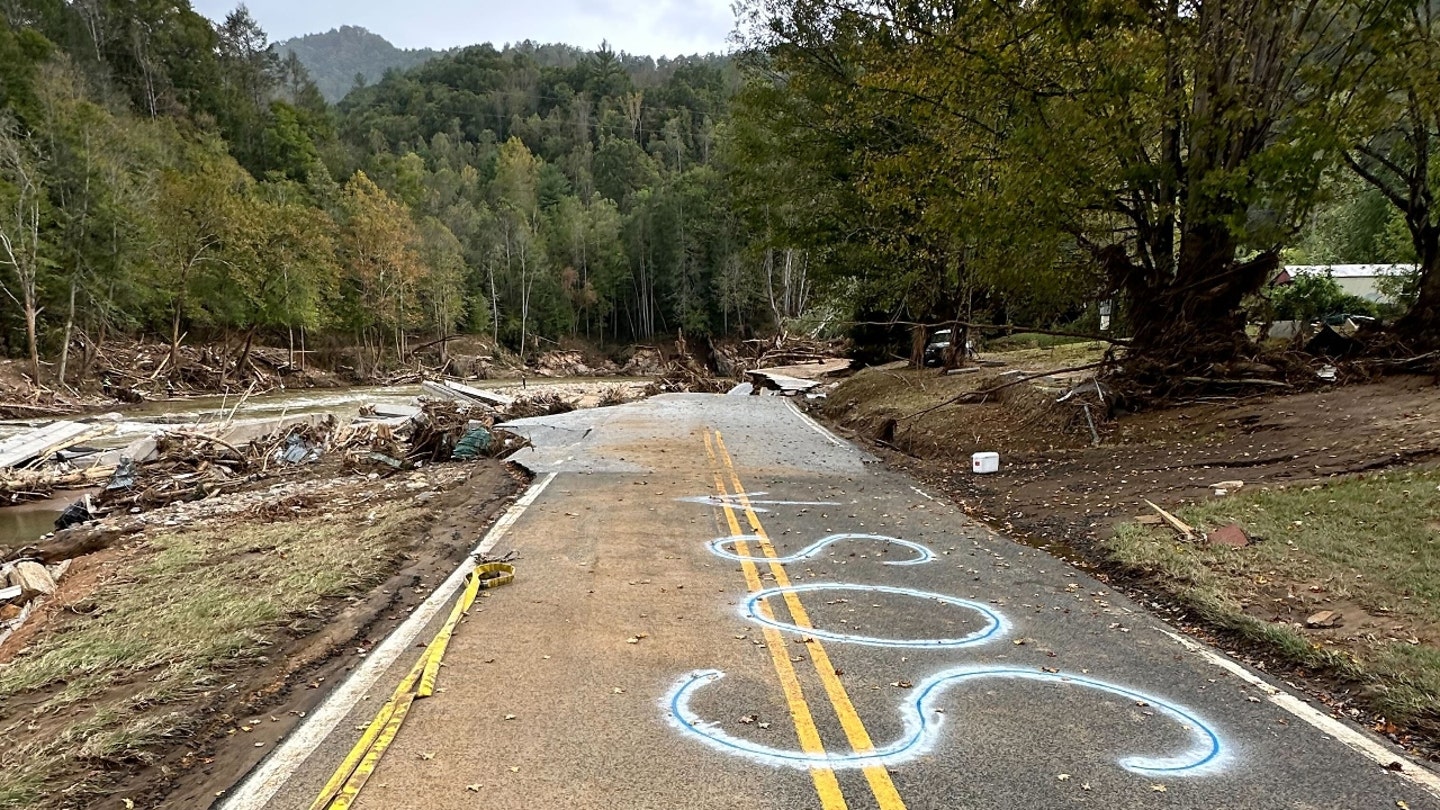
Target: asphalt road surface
[{"x": 719, "y": 605}]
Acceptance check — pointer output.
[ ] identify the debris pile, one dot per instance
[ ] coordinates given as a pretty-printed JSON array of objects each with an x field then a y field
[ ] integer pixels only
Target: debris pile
[
  {"x": 735, "y": 358},
  {"x": 24, "y": 585},
  {"x": 644, "y": 361},
  {"x": 572, "y": 363},
  {"x": 541, "y": 404},
  {"x": 191, "y": 466},
  {"x": 136, "y": 372},
  {"x": 687, "y": 377}
]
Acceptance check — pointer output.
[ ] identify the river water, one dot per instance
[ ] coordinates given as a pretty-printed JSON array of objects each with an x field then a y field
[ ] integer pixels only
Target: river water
[{"x": 24, "y": 523}]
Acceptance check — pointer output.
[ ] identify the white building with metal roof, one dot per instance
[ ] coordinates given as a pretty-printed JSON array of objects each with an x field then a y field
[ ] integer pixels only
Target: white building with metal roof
[{"x": 1362, "y": 280}]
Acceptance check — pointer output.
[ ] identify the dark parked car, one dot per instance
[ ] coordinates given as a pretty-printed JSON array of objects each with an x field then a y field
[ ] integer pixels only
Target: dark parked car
[{"x": 940, "y": 344}]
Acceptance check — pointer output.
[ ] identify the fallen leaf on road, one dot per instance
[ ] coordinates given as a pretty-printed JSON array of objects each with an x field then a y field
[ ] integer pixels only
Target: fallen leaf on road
[
  {"x": 509, "y": 717},
  {"x": 1084, "y": 785},
  {"x": 427, "y": 756},
  {"x": 748, "y": 719},
  {"x": 474, "y": 788},
  {"x": 1158, "y": 788},
  {"x": 618, "y": 691},
  {"x": 632, "y": 640},
  {"x": 763, "y": 725},
  {"x": 514, "y": 768},
  {"x": 1063, "y": 777},
  {"x": 1400, "y": 803},
  {"x": 903, "y": 684}
]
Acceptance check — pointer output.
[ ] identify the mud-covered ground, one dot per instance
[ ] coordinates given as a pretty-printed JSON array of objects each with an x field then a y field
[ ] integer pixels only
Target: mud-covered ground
[{"x": 167, "y": 665}]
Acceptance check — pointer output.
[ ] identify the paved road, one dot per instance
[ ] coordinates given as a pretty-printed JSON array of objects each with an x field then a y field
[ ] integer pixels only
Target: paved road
[{"x": 720, "y": 606}]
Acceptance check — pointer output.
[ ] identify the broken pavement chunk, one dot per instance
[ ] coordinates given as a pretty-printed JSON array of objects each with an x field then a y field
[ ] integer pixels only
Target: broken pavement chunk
[
  {"x": 1323, "y": 619},
  {"x": 1232, "y": 534}
]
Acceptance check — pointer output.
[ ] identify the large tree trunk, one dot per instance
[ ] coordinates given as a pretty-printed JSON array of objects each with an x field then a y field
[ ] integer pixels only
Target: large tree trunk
[
  {"x": 1421, "y": 323},
  {"x": 244, "y": 356},
  {"x": 1192, "y": 319},
  {"x": 32, "y": 340},
  {"x": 175, "y": 339}
]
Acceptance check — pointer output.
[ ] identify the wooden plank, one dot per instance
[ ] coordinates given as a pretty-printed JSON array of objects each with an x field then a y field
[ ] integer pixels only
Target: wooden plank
[
  {"x": 1184, "y": 529},
  {"x": 44, "y": 441}
]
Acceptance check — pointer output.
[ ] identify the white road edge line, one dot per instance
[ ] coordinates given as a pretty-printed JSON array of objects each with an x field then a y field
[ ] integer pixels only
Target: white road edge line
[
  {"x": 261, "y": 785},
  {"x": 1356, "y": 740},
  {"x": 815, "y": 426}
]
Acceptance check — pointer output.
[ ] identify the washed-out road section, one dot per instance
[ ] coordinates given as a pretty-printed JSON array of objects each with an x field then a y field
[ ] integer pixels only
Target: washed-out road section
[{"x": 720, "y": 605}]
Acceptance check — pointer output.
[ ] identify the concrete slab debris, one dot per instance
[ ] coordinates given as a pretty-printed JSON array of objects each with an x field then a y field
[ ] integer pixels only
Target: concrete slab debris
[
  {"x": 449, "y": 389},
  {"x": 32, "y": 577},
  {"x": 44, "y": 441}
]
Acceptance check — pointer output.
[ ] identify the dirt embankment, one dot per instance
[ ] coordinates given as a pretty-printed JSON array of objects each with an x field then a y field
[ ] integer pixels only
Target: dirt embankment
[
  {"x": 1054, "y": 486},
  {"x": 1324, "y": 477}
]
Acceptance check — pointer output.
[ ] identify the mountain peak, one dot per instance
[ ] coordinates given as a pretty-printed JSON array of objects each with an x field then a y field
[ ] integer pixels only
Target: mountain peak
[{"x": 336, "y": 57}]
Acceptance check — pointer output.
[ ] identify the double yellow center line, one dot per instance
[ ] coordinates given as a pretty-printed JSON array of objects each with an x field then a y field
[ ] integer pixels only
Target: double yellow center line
[{"x": 826, "y": 785}]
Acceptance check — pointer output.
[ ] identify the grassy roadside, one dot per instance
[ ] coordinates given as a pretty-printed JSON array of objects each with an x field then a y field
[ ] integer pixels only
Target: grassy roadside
[
  {"x": 1366, "y": 547},
  {"x": 160, "y": 638}
]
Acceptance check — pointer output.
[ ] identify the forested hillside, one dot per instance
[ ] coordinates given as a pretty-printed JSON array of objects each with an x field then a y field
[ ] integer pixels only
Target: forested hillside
[
  {"x": 163, "y": 176},
  {"x": 339, "y": 57}
]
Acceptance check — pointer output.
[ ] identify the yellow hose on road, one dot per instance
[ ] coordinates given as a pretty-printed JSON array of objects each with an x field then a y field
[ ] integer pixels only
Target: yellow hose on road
[{"x": 419, "y": 682}]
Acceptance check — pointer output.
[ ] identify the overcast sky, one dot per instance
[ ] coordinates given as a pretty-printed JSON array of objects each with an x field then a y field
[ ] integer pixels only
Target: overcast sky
[{"x": 650, "y": 27}]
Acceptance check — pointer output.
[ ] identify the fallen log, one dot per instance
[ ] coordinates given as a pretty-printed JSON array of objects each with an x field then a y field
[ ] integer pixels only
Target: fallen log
[{"x": 72, "y": 543}]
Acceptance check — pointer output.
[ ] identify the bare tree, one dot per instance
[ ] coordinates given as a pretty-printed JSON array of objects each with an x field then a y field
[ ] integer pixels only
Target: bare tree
[{"x": 20, "y": 232}]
